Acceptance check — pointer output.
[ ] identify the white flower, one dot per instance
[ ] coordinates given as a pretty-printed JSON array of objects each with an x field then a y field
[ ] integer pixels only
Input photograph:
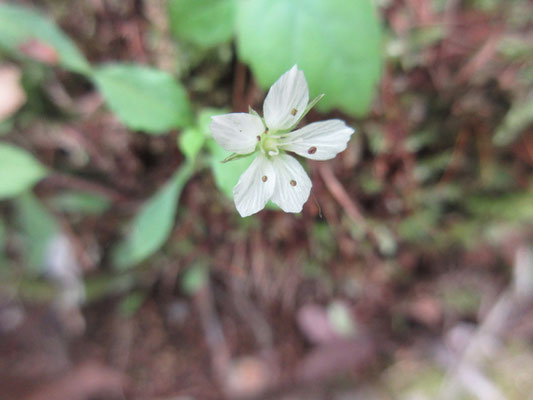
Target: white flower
[{"x": 275, "y": 175}]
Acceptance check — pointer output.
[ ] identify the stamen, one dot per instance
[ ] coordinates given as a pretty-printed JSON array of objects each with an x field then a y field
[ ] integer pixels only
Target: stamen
[
  {"x": 294, "y": 111},
  {"x": 312, "y": 150},
  {"x": 258, "y": 138},
  {"x": 293, "y": 182},
  {"x": 264, "y": 178}
]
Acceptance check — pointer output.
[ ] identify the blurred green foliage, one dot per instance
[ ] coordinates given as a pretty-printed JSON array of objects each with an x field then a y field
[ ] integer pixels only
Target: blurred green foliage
[
  {"x": 205, "y": 23},
  {"x": 19, "y": 26},
  {"x": 38, "y": 226},
  {"x": 144, "y": 98},
  {"x": 333, "y": 42},
  {"x": 80, "y": 203},
  {"x": 152, "y": 226},
  {"x": 19, "y": 171}
]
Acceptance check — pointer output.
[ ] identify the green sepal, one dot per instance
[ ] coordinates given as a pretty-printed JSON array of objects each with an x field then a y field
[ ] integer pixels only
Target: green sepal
[
  {"x": 253, "y": 112},
  {"x": 236, "y": 156},
  {"x": 311, "y": 104}
]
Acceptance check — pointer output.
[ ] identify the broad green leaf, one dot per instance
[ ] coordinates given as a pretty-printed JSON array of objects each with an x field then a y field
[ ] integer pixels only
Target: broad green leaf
[
  {"x": 191, "y": 142},
  {"x": 337, "y": 43},
  {"x": 38, "y": 227},
  {"x": 19, "y": 171},
  {"x": 20, "y": 26},
  {"x": 80, "y": 202},
  {"x": 144, "y": 98},
  {"x": 153, "y": 225},
  {"x": 226, "y": 174},
  {"x": 205, "y": 23}
]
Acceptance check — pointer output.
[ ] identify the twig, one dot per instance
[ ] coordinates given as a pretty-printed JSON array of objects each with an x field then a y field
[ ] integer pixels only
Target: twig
[
  {"x": 337, "y": 191},
  {"x": 484, "y": 55},
  {"x": 512, "y": 301},
  {"x": 239, "y": 84},
  {"x": 458, "y": 149},
  {"x": 214, "y": 335}
]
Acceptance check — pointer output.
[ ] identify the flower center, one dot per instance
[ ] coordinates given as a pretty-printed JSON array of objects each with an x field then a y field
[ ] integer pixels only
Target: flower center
[{"x": 269, "y": 145}]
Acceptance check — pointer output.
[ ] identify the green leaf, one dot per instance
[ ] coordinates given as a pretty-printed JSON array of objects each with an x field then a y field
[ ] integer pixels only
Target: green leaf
[
  {"x": 195, "y": 278},
  {"x": 19, "y": 171},
  {"x": 226, "y": 175},
  {"x": 191, "y": 142},
  {"x": 81, "y": 203},
  {"x": 519, "y": 117},
  {"x": 38, "y": 227},
  {"x": 144, "y": 98},
  {"x": 205, "y": 23},
  {"x": 20, "y": 25},
  {"x": 153, "y": 225},
  {"x": 131, "y": 304},
  {"x": 337, "y": 43}
]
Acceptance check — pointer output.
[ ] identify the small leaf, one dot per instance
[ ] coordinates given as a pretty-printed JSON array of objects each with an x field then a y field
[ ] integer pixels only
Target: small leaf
[
  {"x": 337, "y": 43},
  {"x": 38, "y": 226},
  {"x": 20, "y": 26},
  {"x": 80, "y": 202},
  {"x": 191, "y": 142},
  {"x": 205, "y": 23},
  {"x": 144, "y": 98},
  {"x": 195, "y": 278},
  {"x": 519, "y": 117},
  {"x": 153, "y": 225},
  {"x": 226, "y": 175},
  {"x": 131, "y": 304},
  {"x": 19, "y": 171}
]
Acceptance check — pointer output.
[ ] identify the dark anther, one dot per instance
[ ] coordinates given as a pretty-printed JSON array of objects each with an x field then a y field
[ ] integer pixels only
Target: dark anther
[{"x": 312, "y": 150}]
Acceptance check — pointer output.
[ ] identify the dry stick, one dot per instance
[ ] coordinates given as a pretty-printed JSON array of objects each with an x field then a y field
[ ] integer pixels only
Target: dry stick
[
  {"x": 484, "y": 55},
  {"x": 528, "y": 148},
  {"x": 510, "y": 304},
  {"x": 214, "y": 334},
  {"x": 239, "y": 84},
  {"x": 458, "y": 148},
  {"x": 492, "y": 326},
  {"x": 339, "y": 194}
]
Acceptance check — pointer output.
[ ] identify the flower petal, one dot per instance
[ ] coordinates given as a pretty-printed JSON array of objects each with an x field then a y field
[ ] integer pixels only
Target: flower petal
[
  {"x": 319, "y": 140},
  {"x": 255, "y": 186},
  {"x": 286, "y": 100},
  {"x": 292, "y": 184},
  {"x": 237, "y": 132}
]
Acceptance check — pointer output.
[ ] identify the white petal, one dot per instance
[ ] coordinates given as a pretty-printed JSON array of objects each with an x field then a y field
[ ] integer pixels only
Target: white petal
[
  {"x": 255, "y": 186},
  {"x": 237, "y": 132},
  {"x": 319, "y": 140},
  {"x": 292, "y": 184},
  {"x": 286, "y": 100}
]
